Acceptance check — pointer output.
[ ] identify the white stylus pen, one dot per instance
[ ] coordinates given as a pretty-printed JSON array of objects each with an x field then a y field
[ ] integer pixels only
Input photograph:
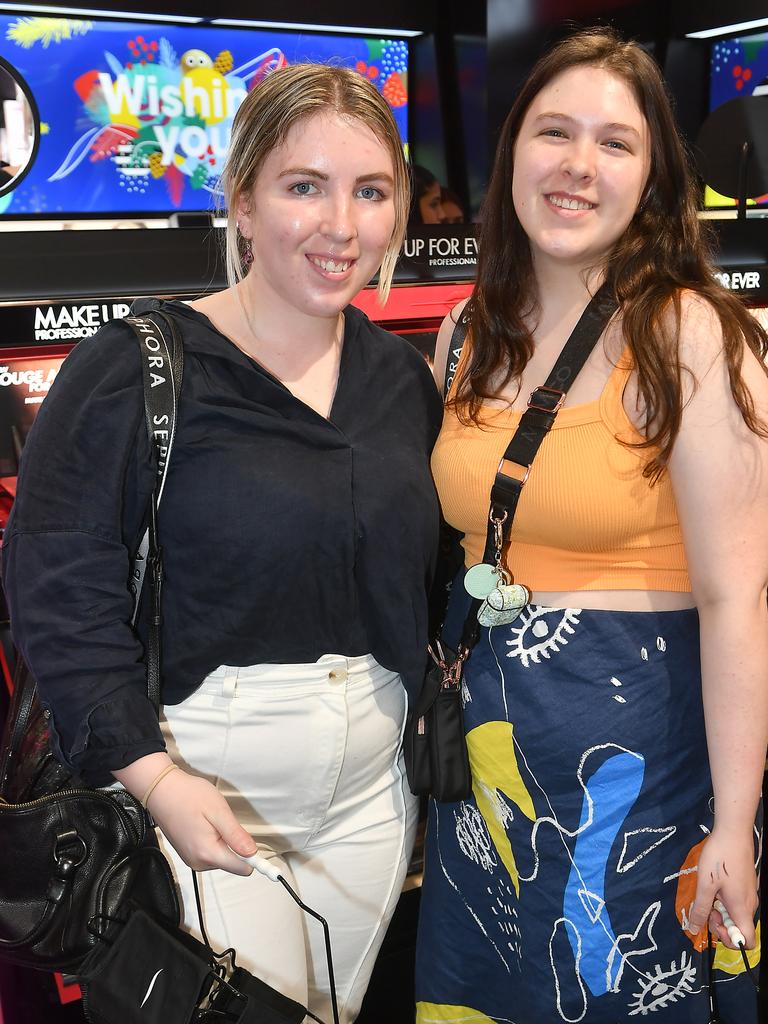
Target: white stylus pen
[
  {"x": 733, "y": 932},
  {"x": 263, "y": 866}
]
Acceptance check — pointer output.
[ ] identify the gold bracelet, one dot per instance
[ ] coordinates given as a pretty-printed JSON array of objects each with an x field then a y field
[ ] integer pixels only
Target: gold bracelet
[{"x": 167, "y": 770}]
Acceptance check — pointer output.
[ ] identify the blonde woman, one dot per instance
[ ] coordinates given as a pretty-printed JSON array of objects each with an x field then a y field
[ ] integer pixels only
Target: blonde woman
[{"x": 298, "y": 524}]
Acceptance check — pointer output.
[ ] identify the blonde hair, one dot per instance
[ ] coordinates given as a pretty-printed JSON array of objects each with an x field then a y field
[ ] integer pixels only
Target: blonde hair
[{"x": 267, "y": 114}]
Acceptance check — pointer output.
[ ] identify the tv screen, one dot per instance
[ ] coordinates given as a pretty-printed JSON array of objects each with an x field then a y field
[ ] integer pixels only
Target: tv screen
[
  {"x": 136, "y": 118},
  {"x": 738, "y": 68}
]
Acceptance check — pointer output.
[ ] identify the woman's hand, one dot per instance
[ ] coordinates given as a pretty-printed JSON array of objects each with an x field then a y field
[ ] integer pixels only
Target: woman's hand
[
  {"x": 726, "y": 872},
  {"x": 198, "y": 822},
  {"x": 194, "y": 817}
]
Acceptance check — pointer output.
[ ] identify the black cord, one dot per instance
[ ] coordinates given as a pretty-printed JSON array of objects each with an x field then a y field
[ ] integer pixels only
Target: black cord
[
  {"x": 328, "y": 954},
  {"x": 307, "y": 910},
  {"x": 199, "y": 906},
  {"x": 709, "y": 959},
  {"x": 748, "y": 966}
]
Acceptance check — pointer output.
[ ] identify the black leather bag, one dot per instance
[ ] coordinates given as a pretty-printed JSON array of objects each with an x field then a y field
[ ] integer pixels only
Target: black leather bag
[
  {"x": 436, "y": 758},
  {"x": 71, "y": 855}
]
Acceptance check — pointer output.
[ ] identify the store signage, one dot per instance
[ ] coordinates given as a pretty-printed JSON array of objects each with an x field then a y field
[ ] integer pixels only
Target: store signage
[
  {"x": 46, "y": 323},
  {"x": 751, "y": 282},
  {"x": 443, "y": 251},
  {"x": 71, "y": 323},
  {"x": 24, "y": 383},
  {"x": 440, "y": 252}
]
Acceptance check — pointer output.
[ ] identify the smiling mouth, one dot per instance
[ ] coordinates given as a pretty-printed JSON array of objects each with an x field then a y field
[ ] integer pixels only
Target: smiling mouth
[
  {"x": 330, "y": 266},
  {"x": 570, "y": 204}
]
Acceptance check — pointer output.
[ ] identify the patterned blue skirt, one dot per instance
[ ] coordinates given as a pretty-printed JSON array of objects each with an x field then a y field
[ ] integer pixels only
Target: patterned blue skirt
[{"x": 559, "y": 890}]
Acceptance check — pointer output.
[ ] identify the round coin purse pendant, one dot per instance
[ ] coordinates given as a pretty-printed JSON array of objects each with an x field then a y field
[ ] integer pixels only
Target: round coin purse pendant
[
  {"x": 503, "y": 604},
  {"x": 481, "y": 579}
]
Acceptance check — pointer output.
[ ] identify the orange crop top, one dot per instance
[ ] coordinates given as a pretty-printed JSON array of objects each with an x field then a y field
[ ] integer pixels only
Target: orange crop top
[{"x": 587, "y": 519}]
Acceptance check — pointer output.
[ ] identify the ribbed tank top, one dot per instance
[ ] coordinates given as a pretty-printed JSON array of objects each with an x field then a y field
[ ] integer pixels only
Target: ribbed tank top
[{"x": 587, "y": 519}]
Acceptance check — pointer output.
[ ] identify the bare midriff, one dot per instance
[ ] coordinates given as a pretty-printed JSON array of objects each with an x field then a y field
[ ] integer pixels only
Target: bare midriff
[{"x": 615, "y": 600}]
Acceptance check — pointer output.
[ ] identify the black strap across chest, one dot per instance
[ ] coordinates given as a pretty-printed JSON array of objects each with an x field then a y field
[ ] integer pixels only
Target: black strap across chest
[
  {"x": 544, "y": 404},
  {"x": 162, "y": 364}
]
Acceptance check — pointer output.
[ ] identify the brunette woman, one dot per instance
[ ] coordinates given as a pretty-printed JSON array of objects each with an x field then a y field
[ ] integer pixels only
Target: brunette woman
[{"x": 617, "y": 729}]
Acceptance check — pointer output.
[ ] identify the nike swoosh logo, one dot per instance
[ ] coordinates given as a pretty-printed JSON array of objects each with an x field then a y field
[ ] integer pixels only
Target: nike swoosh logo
[{"x": 151, "y": 986}]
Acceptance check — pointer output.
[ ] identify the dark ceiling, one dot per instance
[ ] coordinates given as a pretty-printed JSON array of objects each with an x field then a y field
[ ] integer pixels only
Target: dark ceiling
[{"x": 424, "y": 15}]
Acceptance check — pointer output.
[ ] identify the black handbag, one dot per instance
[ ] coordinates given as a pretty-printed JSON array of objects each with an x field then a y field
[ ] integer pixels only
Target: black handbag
[
  {"x": 71, "y": 854},
  {"x": 435, "y": 746},
  {"x": 436, "y": 757},
  {"x": 143, "y": 971}
]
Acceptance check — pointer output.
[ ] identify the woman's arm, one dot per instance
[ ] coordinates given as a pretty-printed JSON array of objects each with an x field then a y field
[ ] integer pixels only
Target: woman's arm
[
  {"x": 86, "y": 477},
  {"x": 719, "y": 472}
]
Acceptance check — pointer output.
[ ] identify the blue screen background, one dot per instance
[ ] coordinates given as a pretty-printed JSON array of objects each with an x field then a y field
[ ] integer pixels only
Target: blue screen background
[{"x": 142, "y": 139}]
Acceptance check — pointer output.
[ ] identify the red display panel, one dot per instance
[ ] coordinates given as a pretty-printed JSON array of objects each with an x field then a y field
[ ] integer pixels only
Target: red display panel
[{"x": 25, "y": 377}]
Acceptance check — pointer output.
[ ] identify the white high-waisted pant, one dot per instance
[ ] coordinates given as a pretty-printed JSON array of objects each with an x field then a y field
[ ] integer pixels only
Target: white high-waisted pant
[{"x": 309, "y": 758}]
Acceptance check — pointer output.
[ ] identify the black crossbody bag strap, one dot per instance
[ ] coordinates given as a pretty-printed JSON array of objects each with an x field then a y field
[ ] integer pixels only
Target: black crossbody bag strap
[
  {"x": 458, "y": 337},
  {"x": 162, "y": 363},
  {"x": 543, "y": 406}
]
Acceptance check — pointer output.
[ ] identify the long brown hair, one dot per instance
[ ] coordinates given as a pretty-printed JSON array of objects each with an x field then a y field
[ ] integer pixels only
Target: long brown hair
[{"x": 665, "y": 249}]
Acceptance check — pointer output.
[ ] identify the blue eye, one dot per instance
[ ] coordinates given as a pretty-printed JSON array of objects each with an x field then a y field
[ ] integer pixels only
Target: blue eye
[
  {"x": 615, "y": 144},
  {"x": 303, "y": 188},
  {"x": 369, "y": 192}
]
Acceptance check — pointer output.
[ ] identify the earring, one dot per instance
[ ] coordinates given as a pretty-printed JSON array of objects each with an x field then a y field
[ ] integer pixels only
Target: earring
[{"x": 244, "y": 248}]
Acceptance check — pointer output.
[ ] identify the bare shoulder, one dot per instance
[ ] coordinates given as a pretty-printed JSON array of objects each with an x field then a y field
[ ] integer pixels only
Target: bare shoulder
[
  {"x": 702, "y": 351},
  {"x": 443, "y": 343},
  {"x": 701, "y": 339},
  {"x": 698, "y": 335},
  {"x": 701, "y": 334}
]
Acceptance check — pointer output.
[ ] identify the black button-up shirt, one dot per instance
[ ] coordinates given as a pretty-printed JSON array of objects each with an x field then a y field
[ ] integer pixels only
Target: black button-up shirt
[{"x": 285, "y": 535}]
